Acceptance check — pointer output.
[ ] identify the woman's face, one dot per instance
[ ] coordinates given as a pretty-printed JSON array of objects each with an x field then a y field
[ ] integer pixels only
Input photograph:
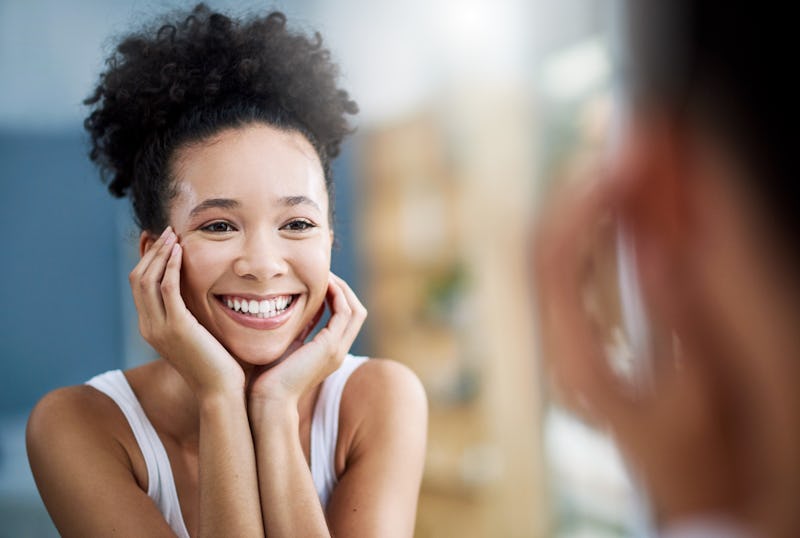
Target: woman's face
[{"x": 251, "y": 212}]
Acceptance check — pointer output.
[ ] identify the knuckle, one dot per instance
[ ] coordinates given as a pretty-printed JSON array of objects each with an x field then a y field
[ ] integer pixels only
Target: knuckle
[
  {"x": 144, "y": 330},
  {"x": 325, "y": 339}
]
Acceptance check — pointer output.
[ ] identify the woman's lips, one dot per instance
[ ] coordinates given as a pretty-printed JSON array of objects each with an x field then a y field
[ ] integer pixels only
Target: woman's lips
[{"x": 272, "y": 316}]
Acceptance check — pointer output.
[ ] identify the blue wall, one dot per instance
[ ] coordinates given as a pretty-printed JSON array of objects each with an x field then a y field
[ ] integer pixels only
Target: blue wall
[{"x": 60, "y": 315}]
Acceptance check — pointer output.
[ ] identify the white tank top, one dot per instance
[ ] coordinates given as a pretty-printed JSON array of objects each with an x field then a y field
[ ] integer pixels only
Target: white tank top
[{"x": 161, "y": 484}]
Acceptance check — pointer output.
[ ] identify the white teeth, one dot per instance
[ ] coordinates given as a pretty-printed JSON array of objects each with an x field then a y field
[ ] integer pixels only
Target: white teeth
[{"x": 265, "y": 308}]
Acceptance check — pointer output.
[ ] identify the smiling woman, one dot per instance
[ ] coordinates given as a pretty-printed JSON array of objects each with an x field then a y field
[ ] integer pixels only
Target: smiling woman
[{"x": 222, "y": 133}]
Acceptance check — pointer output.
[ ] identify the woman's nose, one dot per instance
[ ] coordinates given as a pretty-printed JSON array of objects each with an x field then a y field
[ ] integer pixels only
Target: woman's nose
[{"x": 261, "y": 257}]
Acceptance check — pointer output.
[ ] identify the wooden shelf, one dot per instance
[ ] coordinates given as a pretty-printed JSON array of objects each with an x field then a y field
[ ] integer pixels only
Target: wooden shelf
[{"x": 442, "y": 235}]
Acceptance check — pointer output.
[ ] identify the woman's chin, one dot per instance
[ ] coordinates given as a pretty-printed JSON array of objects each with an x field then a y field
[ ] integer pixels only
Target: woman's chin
[{"x": 260, "y": 357}]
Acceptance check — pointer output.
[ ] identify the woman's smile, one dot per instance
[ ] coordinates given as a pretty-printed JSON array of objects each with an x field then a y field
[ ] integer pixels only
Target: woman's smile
[{"x": 255, "y": 313}]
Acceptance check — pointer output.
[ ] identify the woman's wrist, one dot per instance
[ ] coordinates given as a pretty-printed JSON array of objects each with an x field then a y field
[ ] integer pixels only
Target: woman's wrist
[
  {"x": 217, "y": 385},
  {"x": 220, "y": 398},
  {"x": 273, "y": 412}
]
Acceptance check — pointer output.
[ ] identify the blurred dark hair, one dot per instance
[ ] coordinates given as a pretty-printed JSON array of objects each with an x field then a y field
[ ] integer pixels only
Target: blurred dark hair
[
  {"x": 728, "y": 64},
  {"x": 191, "y": 75}
]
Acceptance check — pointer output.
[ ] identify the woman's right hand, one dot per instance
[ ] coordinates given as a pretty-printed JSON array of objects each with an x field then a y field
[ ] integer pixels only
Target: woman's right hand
[{"x": 168, "y": 326}]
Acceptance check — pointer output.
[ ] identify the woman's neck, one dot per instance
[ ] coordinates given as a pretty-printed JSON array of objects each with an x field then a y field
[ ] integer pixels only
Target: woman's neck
[{"x": 172, "y": 407}]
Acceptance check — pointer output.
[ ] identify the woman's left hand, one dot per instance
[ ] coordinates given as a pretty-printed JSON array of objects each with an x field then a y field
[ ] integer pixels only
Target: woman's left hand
[{"x": 305, "y": 365}]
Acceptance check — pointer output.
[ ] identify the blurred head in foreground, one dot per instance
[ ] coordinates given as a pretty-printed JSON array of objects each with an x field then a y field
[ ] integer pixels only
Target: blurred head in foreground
[{"x": 704, "y": 182}]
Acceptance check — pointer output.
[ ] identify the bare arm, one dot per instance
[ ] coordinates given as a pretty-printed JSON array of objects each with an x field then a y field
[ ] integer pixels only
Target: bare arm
[
  {"x": 228, "y": 488},
  {"x": 289, "y": 500},
  {"x": 76, "y": 446},
  {"x": 384, "y": 411},
  {"x": 384, "y": 428}
]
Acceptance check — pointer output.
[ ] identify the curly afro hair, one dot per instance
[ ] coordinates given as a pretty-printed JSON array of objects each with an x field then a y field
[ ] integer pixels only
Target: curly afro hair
[{"x": 182, "y": 82}]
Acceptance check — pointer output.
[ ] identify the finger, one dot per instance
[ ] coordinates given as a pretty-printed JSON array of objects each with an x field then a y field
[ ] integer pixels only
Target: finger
[
  {"x": 171, "y": 284},
  {"x": 572, "y": 348},
  {"x": 689, "y": 335},
  {"x": 147, "y": 288},
  {"x": 150, "y": 254},
  {"x": 340, "y": 309},
  {"x": 312, "y": 323},
  {"x": 357, "y": 309},
  {"x": 330, "y": 336}
]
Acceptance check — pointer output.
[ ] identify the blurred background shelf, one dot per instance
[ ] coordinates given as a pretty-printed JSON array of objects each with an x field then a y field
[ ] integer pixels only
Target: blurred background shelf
[{"x": 442, "y": 233}]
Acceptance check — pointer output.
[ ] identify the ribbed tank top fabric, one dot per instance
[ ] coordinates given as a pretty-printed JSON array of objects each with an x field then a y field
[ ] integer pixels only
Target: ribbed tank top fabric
[
  {"x": 160, "y": 482},
  {"x": 325, "y": 428}
]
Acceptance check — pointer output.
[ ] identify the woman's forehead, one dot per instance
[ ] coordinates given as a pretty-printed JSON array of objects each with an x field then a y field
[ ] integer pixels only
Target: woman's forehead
[{"x": 257, "y": 162}]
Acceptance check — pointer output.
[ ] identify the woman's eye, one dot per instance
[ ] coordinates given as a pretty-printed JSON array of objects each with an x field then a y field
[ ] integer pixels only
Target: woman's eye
[
  {"x": 299, "y": 225},
  {"x": 218, "y": 227}
]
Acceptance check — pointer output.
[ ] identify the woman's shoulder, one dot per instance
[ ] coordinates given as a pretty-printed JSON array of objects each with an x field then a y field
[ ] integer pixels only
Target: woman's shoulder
[
  {"x": 70, "y": 413},
  {"x": 378, "y": 392},
  {"x": 78, "y": 440},
  {"x": 78, "y": 407},
  {"x": 87, "y": 465},
  {"x": 383, "y": 417},
  {"x": 377, "y": 380}
]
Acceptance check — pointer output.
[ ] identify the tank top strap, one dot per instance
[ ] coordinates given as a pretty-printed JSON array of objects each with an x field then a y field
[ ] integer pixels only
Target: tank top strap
[
  {"x": 160, "y": 482},
  {"x": 325, "y": 427}
]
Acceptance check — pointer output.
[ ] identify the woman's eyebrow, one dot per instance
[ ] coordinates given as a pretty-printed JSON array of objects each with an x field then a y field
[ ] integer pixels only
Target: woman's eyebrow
[
  {"x": 224, "y": 203},
  {"x": 297, "y": 200}
]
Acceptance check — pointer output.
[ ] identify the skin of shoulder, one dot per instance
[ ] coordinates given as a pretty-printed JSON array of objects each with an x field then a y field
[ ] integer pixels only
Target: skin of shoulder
[
  {"x": 78, "y": 444},
  {"x": 383, "y": 422}
]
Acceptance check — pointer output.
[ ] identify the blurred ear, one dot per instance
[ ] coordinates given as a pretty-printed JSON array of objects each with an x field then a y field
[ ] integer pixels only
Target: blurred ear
[
  {"x": 146, "y": 240},
  {"x": 656, "y": 166}
]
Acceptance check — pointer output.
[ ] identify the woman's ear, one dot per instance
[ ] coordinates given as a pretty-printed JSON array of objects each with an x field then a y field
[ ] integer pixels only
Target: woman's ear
[
  {"x": 146, "y": 240},
  {"x": 656, "y": 167}
]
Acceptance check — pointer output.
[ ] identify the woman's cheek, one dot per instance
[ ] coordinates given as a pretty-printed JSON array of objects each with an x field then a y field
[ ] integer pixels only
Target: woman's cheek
[
  {"x": 318, "y": 267},
  {"x": 197, "y": 267},
  {"x": 315, "y": 265}
]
